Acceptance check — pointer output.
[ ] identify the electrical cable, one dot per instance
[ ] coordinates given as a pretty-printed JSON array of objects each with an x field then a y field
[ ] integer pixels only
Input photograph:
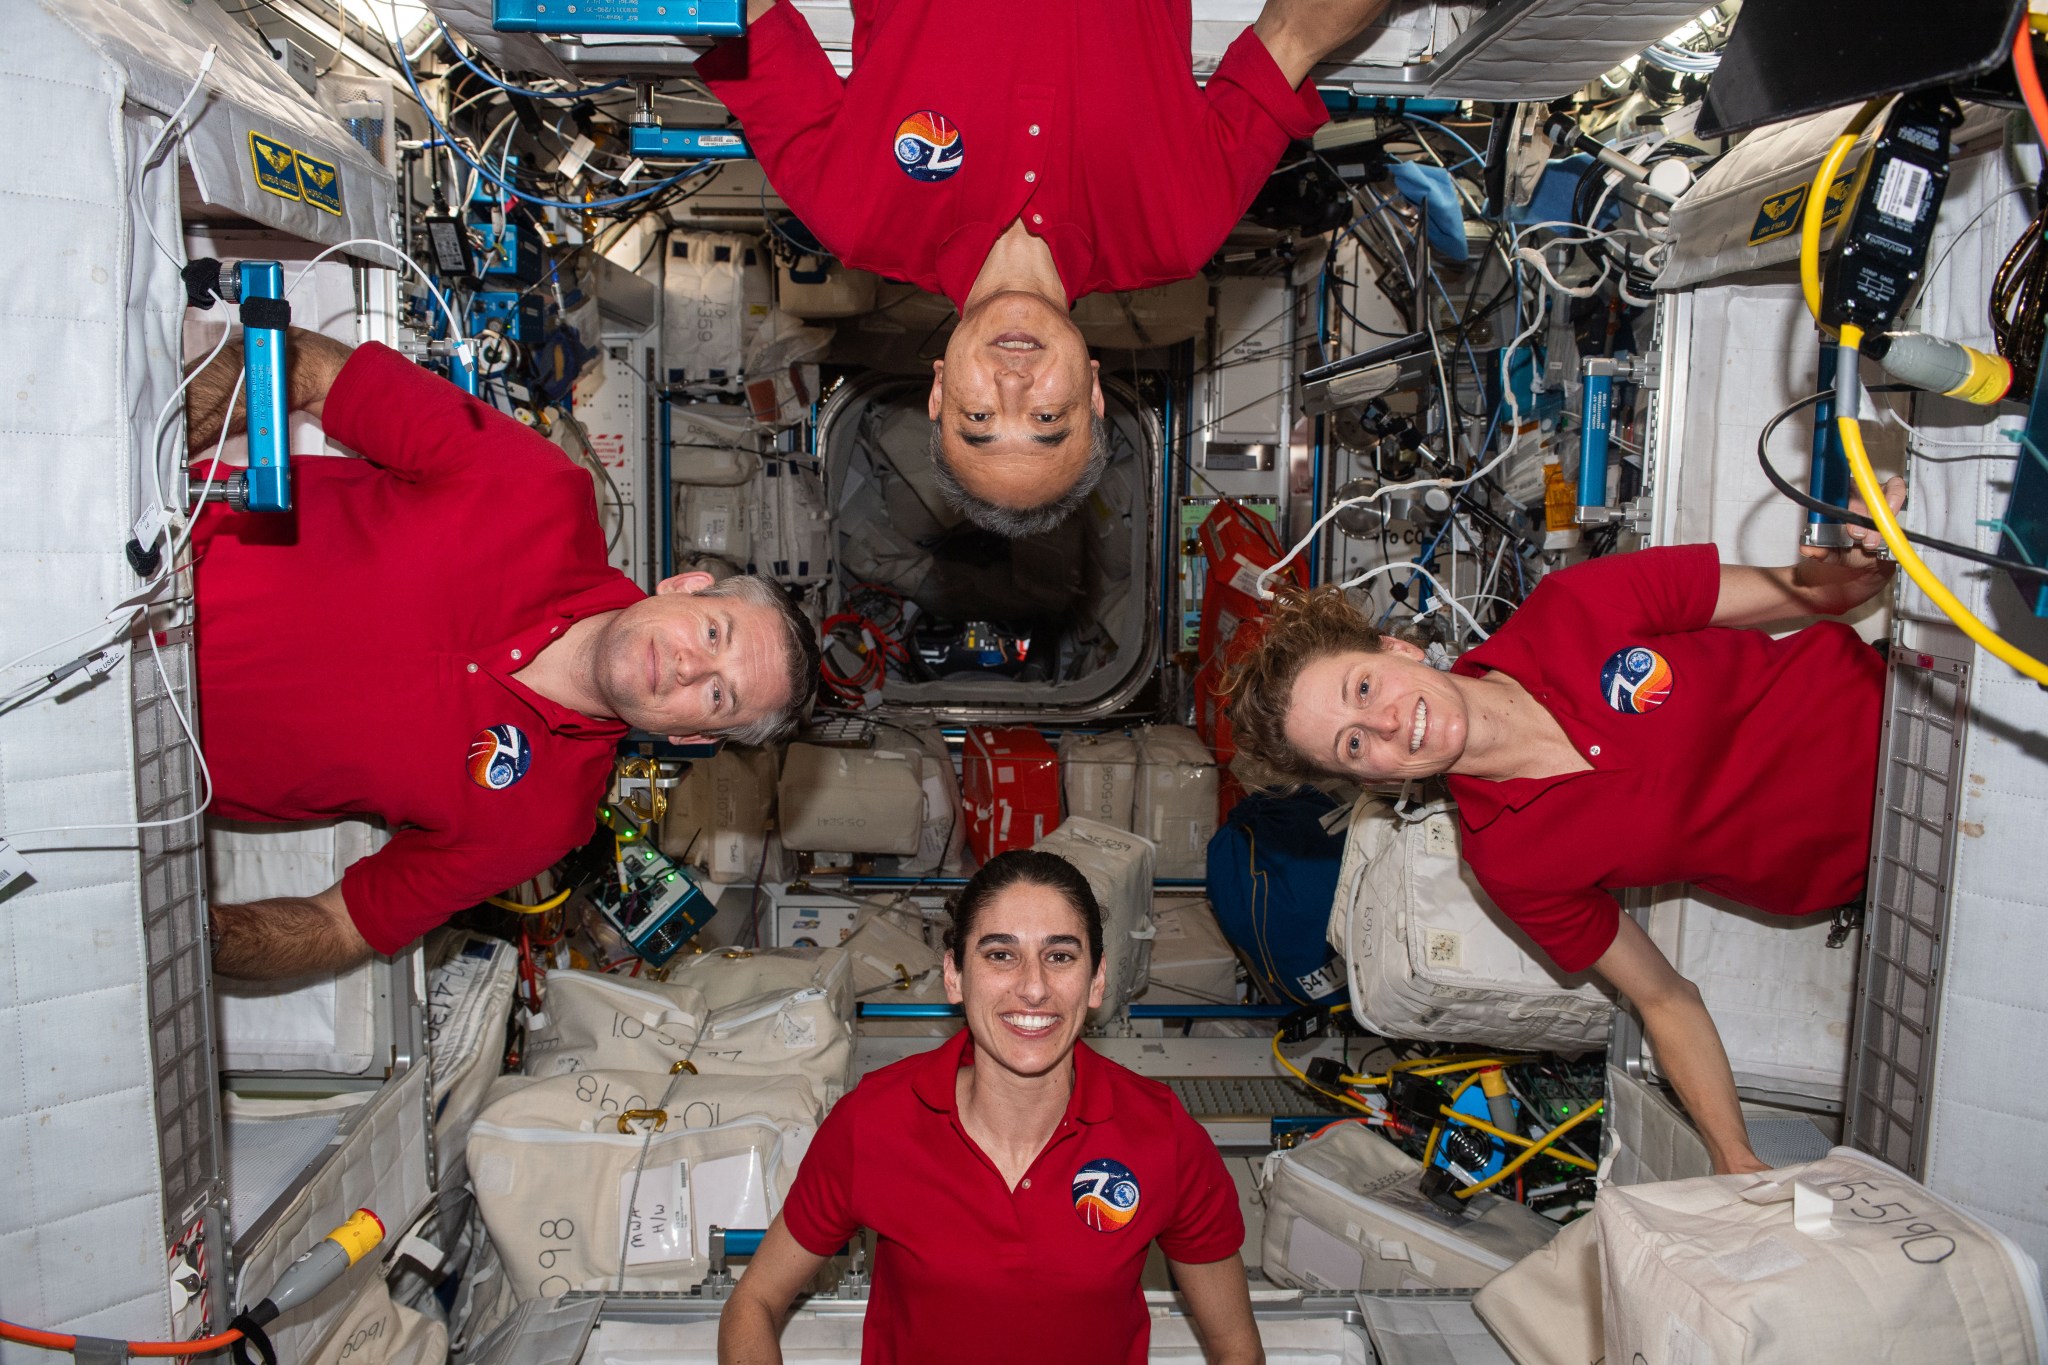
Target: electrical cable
[
  {"x": 1828, "y": 509},
  {"x": 583, "y": 206},
  {"x": 553, "y": 902},
  {"x": 1816, "y": 197},
  {"x": 64, "y": 1341},
  {"x": 1540, "y": 1147},
  {"x": 143, "y": 162},
  {"x": 1466, "y": 1120},
  {"x": 1847, "y": 395},
  {"x": 1302, "y": 1076},
  {"x": 578, "y": 93},
  {"x": 2030, "y": 78}
]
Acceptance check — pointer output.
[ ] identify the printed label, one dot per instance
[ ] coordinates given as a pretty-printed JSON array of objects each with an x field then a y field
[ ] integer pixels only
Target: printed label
[
  {"x": 1902, "y": 191},
  {"x": 656, "y": 1217},
  {"x": 1444, "y": 948}
]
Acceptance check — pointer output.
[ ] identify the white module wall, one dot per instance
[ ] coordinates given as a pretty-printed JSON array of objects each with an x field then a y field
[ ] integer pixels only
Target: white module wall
[
  {"x": 1951, "y": 1003},
  {"x": 1735, "y": 352},
  {"x": 109, "y": 1137}
]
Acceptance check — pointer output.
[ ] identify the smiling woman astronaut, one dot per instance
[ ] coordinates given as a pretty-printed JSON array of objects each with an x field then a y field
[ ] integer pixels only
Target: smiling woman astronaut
[
  {"x": 1010, "y": 1155},
  {"x": 1620, "y": 731}
]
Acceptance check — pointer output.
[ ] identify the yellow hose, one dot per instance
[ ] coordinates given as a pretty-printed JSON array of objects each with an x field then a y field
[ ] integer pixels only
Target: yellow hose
[
  {"x": 1460, "y": 1117},
  {"x": 1902, "y": 549},
  {"x": 522, "y": 908},
  {"x": 1815, "y": 209},
  {"x": 1541, "y": 1145}
]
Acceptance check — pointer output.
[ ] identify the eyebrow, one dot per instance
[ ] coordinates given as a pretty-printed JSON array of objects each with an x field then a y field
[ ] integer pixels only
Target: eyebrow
[
  {"x": 1010, "y": 941},
  {"x": 732, "y": 694}
]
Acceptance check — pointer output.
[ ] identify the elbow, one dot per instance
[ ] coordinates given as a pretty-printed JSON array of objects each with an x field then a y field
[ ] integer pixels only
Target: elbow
[{"x": 1672, "y": 995}]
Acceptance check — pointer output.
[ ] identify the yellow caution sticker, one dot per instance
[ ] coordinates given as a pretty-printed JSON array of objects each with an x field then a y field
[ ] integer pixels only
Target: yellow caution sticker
[
  {"x": 277, "y": 166},
  {"x": 1779, "y": 213},
  {"x": 320, "y": 183}
]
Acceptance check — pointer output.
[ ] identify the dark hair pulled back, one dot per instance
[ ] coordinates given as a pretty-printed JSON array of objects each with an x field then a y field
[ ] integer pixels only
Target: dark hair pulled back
[{"x": 1023, "y": 867}]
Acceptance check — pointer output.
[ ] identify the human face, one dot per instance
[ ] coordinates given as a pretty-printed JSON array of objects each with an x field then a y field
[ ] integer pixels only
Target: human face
[
  {"x": 1014, "y": 398},
  {"x": 1377, "y": 716},
  {"x": 685, "y": 665},
  {"x": 1025, "y": 981}
]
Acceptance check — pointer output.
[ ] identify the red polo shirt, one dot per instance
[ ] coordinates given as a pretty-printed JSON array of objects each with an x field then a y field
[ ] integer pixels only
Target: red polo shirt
[
  {"x": 1077, "y": 117},
  {"x": 1721, "y": 757},
  {"x": 968, "y": 1269},
  {"x": 355, "y": 655}
]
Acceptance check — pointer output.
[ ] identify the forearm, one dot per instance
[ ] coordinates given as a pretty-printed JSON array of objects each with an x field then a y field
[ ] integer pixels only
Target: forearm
[
  {"x": 749, "y": 1334},
  {"x": 312, "y": 363},
  {"x": 272, "y": 940},
  {"x": 1690, "y": 1055},
  {"x": 757, "y": 8},
  {"x": 1830, "y": 589}
]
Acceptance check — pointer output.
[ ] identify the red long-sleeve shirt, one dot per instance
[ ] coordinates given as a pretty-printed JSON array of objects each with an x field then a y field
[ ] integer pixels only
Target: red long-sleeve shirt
[
  {"x": 355, "y": 655},
  {"x": 1079, "y": 118}
]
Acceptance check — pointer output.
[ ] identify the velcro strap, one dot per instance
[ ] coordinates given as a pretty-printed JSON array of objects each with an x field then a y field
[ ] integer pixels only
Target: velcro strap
[{"x": 266, "y": 315}]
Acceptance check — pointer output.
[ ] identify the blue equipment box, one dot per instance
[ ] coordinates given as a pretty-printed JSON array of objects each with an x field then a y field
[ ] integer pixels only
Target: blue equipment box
[
  {"x": 2023, "y": 534},
  {"x": 688, "y": 144},
  {"x": 521, "y": 314},
  {"x": 518, "y": 255},
  {"x": 639, "y": 18}
]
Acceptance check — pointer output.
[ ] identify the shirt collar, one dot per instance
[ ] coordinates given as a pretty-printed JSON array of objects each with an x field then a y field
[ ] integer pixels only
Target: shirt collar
[
  {"x": 1481, "y": 801},
  {"x": 938, "y": 1074},
  {"x": 498, "y": 660},
  {"x": 966, "y": 249}
]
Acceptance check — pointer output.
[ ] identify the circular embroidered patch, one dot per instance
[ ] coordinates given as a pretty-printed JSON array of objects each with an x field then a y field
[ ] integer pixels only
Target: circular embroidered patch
[
  {"x": 1635, "y": 680},
  {"x": 929, "y": 148},
  {"x": 1105, "y": 1195},
  {"x": 498, "y": 757}
]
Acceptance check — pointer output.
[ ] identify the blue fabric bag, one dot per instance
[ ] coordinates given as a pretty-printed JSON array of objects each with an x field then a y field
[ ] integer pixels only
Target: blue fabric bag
[{"x": 1272, "y": 879}]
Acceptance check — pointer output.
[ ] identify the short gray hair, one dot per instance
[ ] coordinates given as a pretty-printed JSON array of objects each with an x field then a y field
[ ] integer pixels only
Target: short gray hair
[
  {"x": 1015, "y": 523},
  {"x": 799, "y": 653}
]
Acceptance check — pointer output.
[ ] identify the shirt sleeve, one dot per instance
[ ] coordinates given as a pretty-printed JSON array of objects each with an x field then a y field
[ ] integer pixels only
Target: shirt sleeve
[
  {"x": 417, "y": 881},
  {"x": 1661, "y": 591},
  {"x": 1251, "y": 115},
  {"x": 415, "y": 424},
  {"x": 781, "y": 86},
  {"x": 819, "y": 1209},
  {"x": 1207, "y": 1225}
]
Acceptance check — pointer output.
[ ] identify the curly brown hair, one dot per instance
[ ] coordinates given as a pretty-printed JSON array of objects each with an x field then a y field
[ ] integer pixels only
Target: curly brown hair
[{"x": 1305, "y": 625}]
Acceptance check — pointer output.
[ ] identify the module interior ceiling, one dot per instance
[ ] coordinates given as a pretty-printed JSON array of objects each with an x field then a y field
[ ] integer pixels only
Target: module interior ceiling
[{"x": 1510, "y": 50}]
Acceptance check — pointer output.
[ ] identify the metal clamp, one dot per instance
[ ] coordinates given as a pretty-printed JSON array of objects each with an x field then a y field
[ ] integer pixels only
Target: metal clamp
[{"x": 684, "y": 1065}]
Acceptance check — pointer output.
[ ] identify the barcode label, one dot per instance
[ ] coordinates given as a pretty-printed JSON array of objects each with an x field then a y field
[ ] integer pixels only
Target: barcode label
[{"x": 1902, "y": 192}]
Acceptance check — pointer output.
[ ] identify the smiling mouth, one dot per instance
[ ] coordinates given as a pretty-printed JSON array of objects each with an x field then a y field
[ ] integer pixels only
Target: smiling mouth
[
  {"x": 1420, "y": 728},
  {"x": 1031, "y": 1025},
  {"x": 1018, "y": 341}
]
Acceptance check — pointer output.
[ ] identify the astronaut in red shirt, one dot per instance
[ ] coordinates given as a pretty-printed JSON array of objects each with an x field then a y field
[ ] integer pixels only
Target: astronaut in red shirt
[
  {"x": 434, "y": 636},
  {"x": 1015, "y": 161},
  {"x": 1626, "y": 727}
]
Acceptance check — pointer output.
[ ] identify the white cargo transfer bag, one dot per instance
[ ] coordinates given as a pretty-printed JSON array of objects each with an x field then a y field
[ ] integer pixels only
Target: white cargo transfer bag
[
  {"x": 1346, "y": 1212},
  {"x": 1099, "y": 777},
  {"x": 717, "y": 818},
  {"x": 943, "y": 834},
  {"x": 1175, "y": 806},
  {"x": 470, "y": 980},
  {"x": 1430, "y": 956},
  {"x": 894, "y": 965},
  {"x": 1118, "y": 866},
  {"x": 554, "y": 1174},
  {"x": 835, "y": 800},
  {"x": 1839, "y": 1259},
  {"x": 777, "y": 1011},
  {"x": 375, "y": 1331},
  {"x": 1192, "y": 961}
]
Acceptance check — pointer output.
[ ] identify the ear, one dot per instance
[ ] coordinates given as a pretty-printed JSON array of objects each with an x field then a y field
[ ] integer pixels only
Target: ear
[
  {"x": 932, "y": 406},
  {"x": 1099, "y": 984},
  {"x": 1095, "y": 387},
  {"x": 696, "y": 580},
  {"x": 951, "y": 969},
  {"x": 1391, "y": 644}
]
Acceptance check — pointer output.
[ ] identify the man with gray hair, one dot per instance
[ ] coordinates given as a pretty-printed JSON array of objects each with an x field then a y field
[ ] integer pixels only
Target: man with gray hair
[
  {"x": 434, "y": 636},
  {"x": 1015, "y": 159}
]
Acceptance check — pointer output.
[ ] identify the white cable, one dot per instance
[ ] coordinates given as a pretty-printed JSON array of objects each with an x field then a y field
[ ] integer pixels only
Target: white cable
[
  {"x": 1443, "y": 593},
  {"x": 156, "y": 145}
]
